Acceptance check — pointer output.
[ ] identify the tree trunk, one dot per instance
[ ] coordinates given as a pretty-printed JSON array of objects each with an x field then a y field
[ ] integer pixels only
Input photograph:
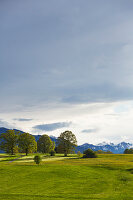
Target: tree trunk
[
  {"x": 26, "y": 152},
  {"x": 11, "y": 151},
  {"x": 65, "y": 154}
]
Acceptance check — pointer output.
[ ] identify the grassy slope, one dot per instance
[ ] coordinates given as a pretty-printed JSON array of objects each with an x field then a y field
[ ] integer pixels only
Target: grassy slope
[{"x": 106, "y": 177}]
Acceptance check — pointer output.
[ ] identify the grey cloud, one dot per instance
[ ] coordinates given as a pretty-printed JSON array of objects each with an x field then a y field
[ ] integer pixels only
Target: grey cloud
[
  {"x": 22, "y": 119},
  {"x": 52, "y": 126},
  {"x": 106, "y": 92},
  {"x": 112, "y": 114},
  {"x": 70, "y": 51},
  {"x": 5, "y": 124},
  {"x": 91, "y": 130}
]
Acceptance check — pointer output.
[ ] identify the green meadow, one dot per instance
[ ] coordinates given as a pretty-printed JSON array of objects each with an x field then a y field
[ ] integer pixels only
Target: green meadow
[{"x": 107, "y": 177}]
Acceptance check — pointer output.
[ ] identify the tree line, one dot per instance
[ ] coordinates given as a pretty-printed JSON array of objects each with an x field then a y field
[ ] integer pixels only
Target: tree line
[{"x": 14, "y": 141}]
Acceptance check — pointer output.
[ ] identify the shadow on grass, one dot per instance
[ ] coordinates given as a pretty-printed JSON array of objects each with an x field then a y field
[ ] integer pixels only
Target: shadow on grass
[
  {"x": 130, "y": 170},
  {"x": 44, "y": 196}
]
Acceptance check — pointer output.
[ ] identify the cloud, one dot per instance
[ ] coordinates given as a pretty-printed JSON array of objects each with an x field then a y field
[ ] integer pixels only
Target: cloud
[
  {"x": 22, "y": 119},
  {"x": 98, "y": 65},
  {"x": 63, "y": 57},
  {"x": 5, "y": 124},
  {"x": 112, "y": 114},
  {"x": 107, "y": 92},
  {"x": 52, "y": 126},
  {"x": 91, "y": 130}
]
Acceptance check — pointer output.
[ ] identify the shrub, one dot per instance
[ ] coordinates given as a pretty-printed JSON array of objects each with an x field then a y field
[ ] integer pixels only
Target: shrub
[
  {"x": 37, "y": 159},
  {"x": 52, "y": 153},
  {"x": 109, "y": 152},
  {"x": 89, "y": 153},
  {"x": 128, "y": 151}
]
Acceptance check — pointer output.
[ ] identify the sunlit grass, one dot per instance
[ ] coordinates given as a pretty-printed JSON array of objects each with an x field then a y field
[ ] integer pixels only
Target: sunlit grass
[{"x": 107, "y": 177}]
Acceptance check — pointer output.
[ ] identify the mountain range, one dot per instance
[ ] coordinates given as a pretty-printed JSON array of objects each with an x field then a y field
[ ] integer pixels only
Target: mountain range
[{"x": 114, "y": 148}]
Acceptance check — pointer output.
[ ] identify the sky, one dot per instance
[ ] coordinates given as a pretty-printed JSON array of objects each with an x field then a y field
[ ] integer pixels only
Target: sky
[{"x": 67, "y": 65}]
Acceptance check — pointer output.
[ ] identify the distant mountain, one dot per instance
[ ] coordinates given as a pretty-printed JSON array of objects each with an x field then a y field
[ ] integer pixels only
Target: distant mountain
[
  {"x": 53, "y": 138},
  {"x": 3, "y": 130},
  {"x": 117, "y": 149}
]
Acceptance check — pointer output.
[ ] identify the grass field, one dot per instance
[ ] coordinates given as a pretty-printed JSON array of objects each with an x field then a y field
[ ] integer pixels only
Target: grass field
[{"x": 107, "y": 177}]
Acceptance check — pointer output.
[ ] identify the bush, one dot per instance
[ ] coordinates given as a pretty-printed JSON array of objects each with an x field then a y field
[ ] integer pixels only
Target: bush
[
  {"x": 52, "y": 153},
  {"x": 89, "y": 153},
  {"x": 37, "y": 159},
  {"x": 128, "y": 151}
]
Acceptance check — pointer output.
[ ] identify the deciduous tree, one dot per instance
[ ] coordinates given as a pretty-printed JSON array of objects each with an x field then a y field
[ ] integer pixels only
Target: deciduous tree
[
  {"x": 66, "y": 142},
  {"x": 27, "y": 143},
  {"x": 45, "y": 144},
  {"x": 8, "y": 141}
]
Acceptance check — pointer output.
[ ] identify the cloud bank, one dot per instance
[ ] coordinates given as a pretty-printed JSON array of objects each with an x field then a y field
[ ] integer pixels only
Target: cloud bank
[{"x": 67, "y": 61}]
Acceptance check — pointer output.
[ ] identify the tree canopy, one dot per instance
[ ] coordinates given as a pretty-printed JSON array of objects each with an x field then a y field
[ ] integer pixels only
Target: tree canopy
[
  {"x": 45, "y": 144},
  {"x": 8, "y": 141},
  {"x": 66, "y": 142},
  {"x": 27, "y": 143},
  {"x": 128, "y": 151}
]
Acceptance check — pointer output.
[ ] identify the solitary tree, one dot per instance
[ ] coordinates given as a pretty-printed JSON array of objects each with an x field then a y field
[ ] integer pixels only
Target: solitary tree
[
  {"x": 66, "y": 142},
  {"x": 27, "y": 143},
  {"x": 37, "y": 159},
  {"x": 45, "y": 144},
  {"x": 8, "y": 141}
]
